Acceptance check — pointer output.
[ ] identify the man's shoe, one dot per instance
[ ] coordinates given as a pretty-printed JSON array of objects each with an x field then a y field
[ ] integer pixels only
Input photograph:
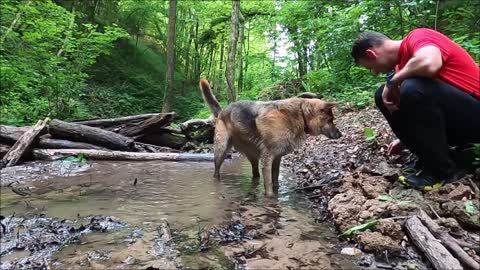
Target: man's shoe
[
  {"x": 413, "y": 167},
  {"x": 426, "y": 182}
]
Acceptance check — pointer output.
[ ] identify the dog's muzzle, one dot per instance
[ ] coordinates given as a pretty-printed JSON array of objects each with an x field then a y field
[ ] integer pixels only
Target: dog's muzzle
[{"x": 332, "y": 133}]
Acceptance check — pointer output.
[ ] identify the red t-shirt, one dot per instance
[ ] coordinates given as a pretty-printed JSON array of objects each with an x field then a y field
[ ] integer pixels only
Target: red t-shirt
[{"x": 458, "y": 69}]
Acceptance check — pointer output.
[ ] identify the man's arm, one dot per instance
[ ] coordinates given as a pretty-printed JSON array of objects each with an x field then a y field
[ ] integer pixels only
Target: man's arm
[{"x": 426, "y": 62}]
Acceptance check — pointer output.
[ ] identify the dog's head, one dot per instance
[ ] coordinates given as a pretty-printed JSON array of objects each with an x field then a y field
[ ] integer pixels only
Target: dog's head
[{"x": 318, "y": 118}]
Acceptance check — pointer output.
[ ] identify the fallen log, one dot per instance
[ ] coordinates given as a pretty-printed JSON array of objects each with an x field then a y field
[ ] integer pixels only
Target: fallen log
[
  {"x": 150, "y": 148},
  {"x": 18, "y": 149},
  {"x": 4, "y": 149},
  {"x": 81, "y": 133},
  {"x": 193, "y": 124},
  {"x": 163, "y": 139},
  {"x": 115, "y": 121},
  {"x": 448, "y": 241},
  {"x": 171, "y": 130},
  {"x": 65, "y": 144},
  {"x": 56, "y": 154},
  {"x": 10, "y": 134},
  {"x": 150, "y": 125},
  {"x": 435, "y": 252}
]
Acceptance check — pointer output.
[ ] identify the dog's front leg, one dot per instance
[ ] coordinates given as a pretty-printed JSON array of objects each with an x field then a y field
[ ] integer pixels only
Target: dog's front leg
[
  {"x": 267, "y": 162},
  {"x": 276, "y": 170}
]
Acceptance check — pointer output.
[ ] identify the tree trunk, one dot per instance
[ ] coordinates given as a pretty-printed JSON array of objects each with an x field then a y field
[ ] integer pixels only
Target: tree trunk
[
  {"x": 188, "y": 68},
  {"x": 169, "y": 81},
  {"x": 65, "y": 40},
  {"x": 196, "y": 62},
  {"x": 241, "y": 38},
  {"x": 232, "y": 49},
  {"x": 23, "y": 143},
  {"x": 274, "y": 58},
  {"x": 402, "y": 31},
  {"x": 14, "y": 22},
  {"x": 305, "y": 59},
  {"x": 96, "y": 136},
  {"x": 247, "y": 52},
  {"x": 55, "y": 154},
  {"x": 210, "y": 61},
  {"x": 311, "y": 59},
  {"x": 222, "y": 51}
]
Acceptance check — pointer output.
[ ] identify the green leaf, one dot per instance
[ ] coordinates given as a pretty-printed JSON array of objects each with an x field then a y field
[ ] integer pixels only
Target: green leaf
[
  {"x": 70, "y": 159},
  {"x": 476, "y": 149},
  {"x": 370, "y": 134},
  {"x": 470, "y": 208},
  {"x": 360, "y": 227},
  {"x": 404, "y": 202},
  {"x": 384, "y": 198},
  {"x": 80, "y": 158}
]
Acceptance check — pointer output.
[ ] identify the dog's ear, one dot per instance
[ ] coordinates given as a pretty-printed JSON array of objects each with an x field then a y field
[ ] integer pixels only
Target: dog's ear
[
  {"x": 328, "y": 106},
  {"x": 307, "y": 108}
]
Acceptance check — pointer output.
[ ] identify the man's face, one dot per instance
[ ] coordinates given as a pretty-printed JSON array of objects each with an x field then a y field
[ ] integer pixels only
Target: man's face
[{"x": 376, "y": 61}]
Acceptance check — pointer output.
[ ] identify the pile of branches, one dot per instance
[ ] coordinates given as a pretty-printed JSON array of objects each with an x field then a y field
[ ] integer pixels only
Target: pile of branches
[{"x": 136, "y": 137}]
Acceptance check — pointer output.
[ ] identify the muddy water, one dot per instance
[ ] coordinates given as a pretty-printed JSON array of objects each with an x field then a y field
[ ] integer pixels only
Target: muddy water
[{"x": 142, "y": 194}]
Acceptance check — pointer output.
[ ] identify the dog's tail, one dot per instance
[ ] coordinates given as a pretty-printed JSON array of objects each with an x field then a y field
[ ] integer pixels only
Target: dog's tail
[{"x": 209, "y": 98}]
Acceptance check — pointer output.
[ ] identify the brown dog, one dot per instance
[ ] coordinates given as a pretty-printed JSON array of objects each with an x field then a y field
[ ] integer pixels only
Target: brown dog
[{"x": 267, "y": 131}]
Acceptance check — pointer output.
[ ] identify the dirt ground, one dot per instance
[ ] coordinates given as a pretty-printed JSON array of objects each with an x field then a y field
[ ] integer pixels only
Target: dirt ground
[
  {"x": 352, "y": 181},
  {"x": 349, "y": 182}
]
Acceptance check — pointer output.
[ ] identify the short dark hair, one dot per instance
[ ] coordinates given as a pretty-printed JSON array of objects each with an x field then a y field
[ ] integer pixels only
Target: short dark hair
[{"x": 366, "y": 40}]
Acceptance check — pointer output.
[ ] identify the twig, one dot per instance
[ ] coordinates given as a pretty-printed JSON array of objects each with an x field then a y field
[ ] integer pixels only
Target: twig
[
  {"x": 474, "y": 187},
  {"x": 386, "y": 256},
  {"x": 46, "y": 263},
  {"x": 251, "y": 254},
  {"x": 310, "y": 187},
  {"x": 316, "y": 196},
  {"x": 433, "y": 210}
]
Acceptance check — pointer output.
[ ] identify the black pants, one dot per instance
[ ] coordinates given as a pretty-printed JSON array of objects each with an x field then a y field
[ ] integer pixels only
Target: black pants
[{"x": 432, "y": 116}]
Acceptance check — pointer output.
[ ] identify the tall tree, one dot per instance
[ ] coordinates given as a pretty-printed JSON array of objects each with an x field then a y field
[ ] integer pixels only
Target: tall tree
[
  {"x": 232, "y": 49},
  {"x": 169, "y": 81},
  {"x": 241, "y": 36}
]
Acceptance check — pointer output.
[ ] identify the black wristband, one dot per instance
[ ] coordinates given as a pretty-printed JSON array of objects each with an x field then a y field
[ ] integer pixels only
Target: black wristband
[{"x": 390, "y": 83}]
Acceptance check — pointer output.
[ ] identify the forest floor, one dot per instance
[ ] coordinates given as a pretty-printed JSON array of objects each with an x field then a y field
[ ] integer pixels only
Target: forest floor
[
  {"x": 347, "y": 182},
  {"x": 352, "y": 181}
]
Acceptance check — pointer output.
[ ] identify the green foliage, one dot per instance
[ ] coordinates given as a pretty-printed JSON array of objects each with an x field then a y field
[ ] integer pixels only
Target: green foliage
[
  {"x": 369, "y": 133},
  {"x": 68, "y": 59},
  {"x": 80, "y": 158},
  {"x": 470, "y": 208},
  {"x": 384, "y": 198},
  {"x": 361, "y": 227},
  {"x": 43, "y": 60}
]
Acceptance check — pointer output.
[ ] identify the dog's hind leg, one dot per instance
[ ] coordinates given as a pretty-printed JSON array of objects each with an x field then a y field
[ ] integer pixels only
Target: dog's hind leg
[
  {"x": 276, "y": 170},
  {"x": 222, "y": 143},
  {"x": 267, "y": 162}
]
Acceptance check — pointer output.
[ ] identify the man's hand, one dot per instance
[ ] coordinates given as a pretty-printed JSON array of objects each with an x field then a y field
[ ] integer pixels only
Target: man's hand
[
  {"x": 391, "y": 98},
  {"x": 395, "y": 147}
]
